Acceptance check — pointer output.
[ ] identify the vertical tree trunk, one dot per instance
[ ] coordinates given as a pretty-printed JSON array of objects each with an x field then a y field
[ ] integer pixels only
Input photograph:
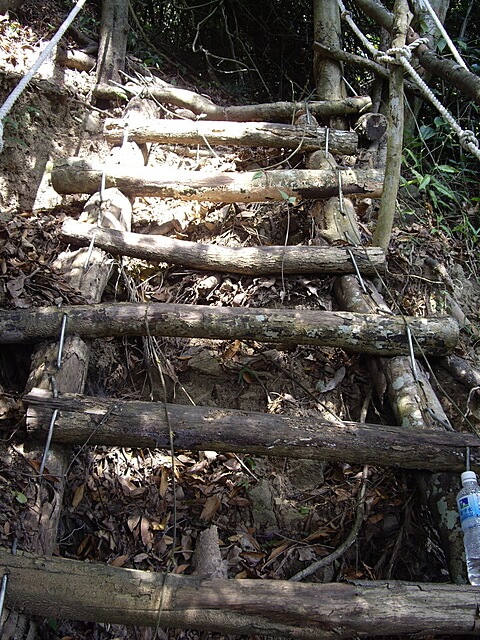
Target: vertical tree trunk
[
  {"x": 386, "y": 214},
  {"x": 328, "y": 73},
  {"x": 113, "y": 41}
]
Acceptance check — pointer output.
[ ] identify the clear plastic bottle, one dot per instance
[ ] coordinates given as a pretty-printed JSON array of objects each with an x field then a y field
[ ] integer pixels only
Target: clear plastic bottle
[{"x": 468, "y": 501}]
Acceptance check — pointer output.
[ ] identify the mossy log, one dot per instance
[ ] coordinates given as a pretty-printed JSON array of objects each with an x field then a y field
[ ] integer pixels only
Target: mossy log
[
  {"x": 367, "y": 333},
  {"x": 248, "y": 134},
  {"x": 75, "y": 175},
  {"x": 417, "y": 409},
  {"x": 122, "y": 423},
  {"x": 252, "y": 261}
]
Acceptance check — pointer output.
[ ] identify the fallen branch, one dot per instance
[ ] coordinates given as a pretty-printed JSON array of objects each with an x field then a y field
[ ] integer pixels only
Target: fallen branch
[
  {"x": 462, "y": 370},
  {"x": 367, "y": 333},
  {"x": 79, "y": 176},
  {"x": 253, "y": 261},
  {"x": 59, "y": 588},
  {"x": 204, "y": 107},
  {"x": 113, "y": 422},
  {"x": 261, "y": 134}
]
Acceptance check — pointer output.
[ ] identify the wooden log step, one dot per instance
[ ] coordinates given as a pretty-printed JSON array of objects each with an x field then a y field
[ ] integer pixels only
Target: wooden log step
[
  {"x": 249, "y": 134},
  {"x": 75, "y": 175},
  {"x": 368, "y": 333},
  {"x": 252, "y": 261},
  {"x": 90, "y": 591},
  {"x": 143, "y": 424}
]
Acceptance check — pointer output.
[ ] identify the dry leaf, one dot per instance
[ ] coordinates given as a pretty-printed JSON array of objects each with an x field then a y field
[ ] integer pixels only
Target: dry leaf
[
  {"x": 78, "y": 495},
  {"x": 330, "y": 385},
  {"x": 133, "y": 521},
  {"x": 181, "y": 568},
  {"x": 231, "y": 350},
  {"x": 140, "y": 557},
  {"x": 278, "y": 551},
  {"x": 145, "y": 533},
  {"x": 210, "y": 508},
  {"x": 119, "y": 561},
  {"x": 162, "y": 490}
]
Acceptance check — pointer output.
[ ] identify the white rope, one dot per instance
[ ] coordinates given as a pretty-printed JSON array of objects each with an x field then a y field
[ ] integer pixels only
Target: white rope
[
  {"x": 16, "y": 93},
  {"x": 402, "y": 55},
  {"x": 426, "y": 4}
]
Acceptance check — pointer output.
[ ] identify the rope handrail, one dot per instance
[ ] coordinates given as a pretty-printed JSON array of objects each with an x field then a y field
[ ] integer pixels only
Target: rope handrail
[
  {"x": 17, "y": 92},
  {"x": 402, "y": 55}
]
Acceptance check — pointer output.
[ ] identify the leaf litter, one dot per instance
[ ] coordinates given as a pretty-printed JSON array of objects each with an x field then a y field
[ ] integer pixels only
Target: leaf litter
[{"x": 273, "y": 516}]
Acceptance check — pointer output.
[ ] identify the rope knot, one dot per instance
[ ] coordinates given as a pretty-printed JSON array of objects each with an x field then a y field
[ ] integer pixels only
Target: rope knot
[
  {"x": 468, "y": 138},
  {"x": 416, "y": 43},
  {"x": 396, "y": 54}
]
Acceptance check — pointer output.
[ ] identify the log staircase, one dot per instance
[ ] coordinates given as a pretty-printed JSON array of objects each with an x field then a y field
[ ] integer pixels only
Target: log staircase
[{"x": 59, "y": 415}]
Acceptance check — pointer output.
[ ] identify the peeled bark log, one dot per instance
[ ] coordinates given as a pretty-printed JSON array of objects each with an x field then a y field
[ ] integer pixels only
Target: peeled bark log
[
  {"x": 73, "y": 59},
  {"x": 79, "y": 176},
  {"x": 59, "y": 588},
  {"x": 269, "y": 112},
  {"x": 253, "y": 261},
  {"x": 367, "y": 333},
  {"x": 261, "y": 134},
  {"x": 123, "y": 423}
]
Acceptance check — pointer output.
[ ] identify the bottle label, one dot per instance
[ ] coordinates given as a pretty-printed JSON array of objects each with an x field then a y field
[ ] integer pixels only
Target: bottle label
[{"x": 469, "y": 507}]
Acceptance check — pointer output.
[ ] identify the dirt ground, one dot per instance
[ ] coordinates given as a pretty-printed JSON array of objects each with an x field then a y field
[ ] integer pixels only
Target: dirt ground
[{"x": 274, "y": 516}]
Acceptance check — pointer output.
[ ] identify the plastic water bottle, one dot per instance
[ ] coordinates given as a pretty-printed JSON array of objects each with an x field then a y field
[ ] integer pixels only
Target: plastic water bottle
[{"x": 468, "y": 501}]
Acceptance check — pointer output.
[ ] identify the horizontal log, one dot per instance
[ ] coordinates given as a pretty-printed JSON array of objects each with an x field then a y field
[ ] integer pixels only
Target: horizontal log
[
  {"x": 204, "y": 107},
  {"x": 252, "y": 261},
  {"x": 367, "y": 333},
  {"x": 249, "y": 134},
  {"x": 123, "y": 423},
  {"x": 75, "y": 175},
  {"x": 89, "y": 591}
]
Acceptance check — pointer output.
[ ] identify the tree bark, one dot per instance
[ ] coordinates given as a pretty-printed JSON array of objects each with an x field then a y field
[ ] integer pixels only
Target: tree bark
[
  {"x": 121, "y": 423},
  {"x": 208, "y": 110},
  {"x": 328, "y": 73},
  {"x": 467, "y": 82},
  {"x": 462, "y": 370},
  {"x": 413, "y": 404},
  {"x": 113, "y": 41},
  {"x": 388, "y": 201},
  {"x": 253, "y": 261},
  {"x": 367, "y": 333},
  {"x": 362, "y": 62},
  {"x": 262, "y": 134},
  {"x": 79, "y": 176},
  {"x": 68, "y": 589}
]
